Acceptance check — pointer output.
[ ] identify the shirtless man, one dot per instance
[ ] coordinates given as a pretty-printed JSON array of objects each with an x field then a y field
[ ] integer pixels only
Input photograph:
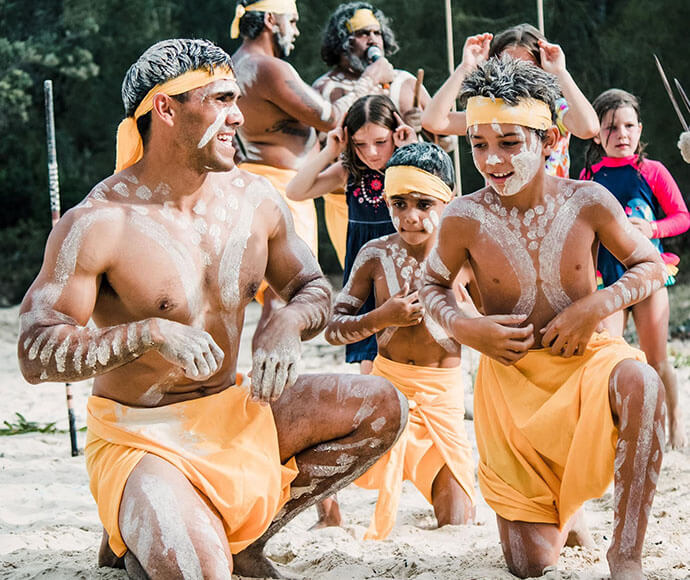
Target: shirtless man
[
  {"x": 192, "y": 469},
  {"x": 559, "y": 408},
  {"x": 282, "y": 113}
]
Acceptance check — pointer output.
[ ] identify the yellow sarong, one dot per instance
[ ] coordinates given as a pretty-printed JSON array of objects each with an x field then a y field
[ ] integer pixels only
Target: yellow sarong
[
  {"x": 224, "y": 444},
  {"x": 545, "y": 433},
  {"x": 336, "y": 214},
  {"x": 303, "y": 212},
  {"x": 435, "y": 436}
]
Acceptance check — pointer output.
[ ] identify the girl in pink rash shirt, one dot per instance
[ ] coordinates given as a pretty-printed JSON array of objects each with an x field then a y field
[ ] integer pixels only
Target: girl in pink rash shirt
[{"x": 645, "y": 189}]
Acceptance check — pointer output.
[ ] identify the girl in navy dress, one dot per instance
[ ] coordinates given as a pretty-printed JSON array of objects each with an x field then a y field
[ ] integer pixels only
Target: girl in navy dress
[{"x": 655, "y": 206}]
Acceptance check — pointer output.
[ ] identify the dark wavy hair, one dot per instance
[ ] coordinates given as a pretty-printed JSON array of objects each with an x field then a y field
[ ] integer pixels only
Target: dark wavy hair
[
  {"x": 611, "y": 100},
  {"x": 378, "y": 109},
  {"x": 336, "y": 38},
  {"x": 428, "y": 157},
  {"x": 524, "y": 35},
  {"x": 162, "y": 62}
]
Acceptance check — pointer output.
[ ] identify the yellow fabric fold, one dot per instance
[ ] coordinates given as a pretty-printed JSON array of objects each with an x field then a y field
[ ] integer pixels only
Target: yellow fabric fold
[
  {"x": 528, "y": 112},
  {"x": 275, "y": 6},
  {"x": 336, "y": 215},
  {"x": 405, "y": 179},
  {"x": 545, "y": 433},
  {"x": 362, "y": 18},
  {"x": 129, "y": 147},
  {"x": 434, "y": 436},
  {"x": 224, "y": 444},
  {"x": 303, "y": 212}
]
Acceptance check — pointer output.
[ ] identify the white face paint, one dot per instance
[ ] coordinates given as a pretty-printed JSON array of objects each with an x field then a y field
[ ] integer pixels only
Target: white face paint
[
  {"x": 213, "y": 128},
  {"x": 525, "y": 167},
  {"x": 428, "y": 225}
]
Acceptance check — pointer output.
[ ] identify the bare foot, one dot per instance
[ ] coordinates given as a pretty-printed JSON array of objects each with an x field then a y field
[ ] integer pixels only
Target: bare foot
[
  {"x": 625, "y": 569},
  {"x": 106, "y": 557},
  {"x": 676, "y": 432},
  {"x": 579, "y": 532},
  {"x": 328, "y": 511},
  {"x": 252, "y": 563}
]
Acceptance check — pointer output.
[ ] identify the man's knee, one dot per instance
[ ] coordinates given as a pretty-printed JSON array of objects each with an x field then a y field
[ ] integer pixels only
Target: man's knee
[{"x": 391, "y": 407}]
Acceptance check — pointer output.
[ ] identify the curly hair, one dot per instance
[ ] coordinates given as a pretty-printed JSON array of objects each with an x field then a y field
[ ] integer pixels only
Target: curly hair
[
  {"x": 377, "y": 109},
  {"x": 336, "y": 38},
  {"x": 611, "y": 100},
  {"x": 428, "y": 157},
  {"x": 162, "y": 62},
  {"x": 511, "y": 79}
]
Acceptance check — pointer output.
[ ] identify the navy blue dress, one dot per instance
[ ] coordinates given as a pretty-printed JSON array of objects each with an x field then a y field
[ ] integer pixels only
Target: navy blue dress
[{"x": 368, "y": 219}]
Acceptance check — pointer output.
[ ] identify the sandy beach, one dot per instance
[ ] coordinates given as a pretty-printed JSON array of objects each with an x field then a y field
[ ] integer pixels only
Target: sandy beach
[{"x": 49, "y": 526}]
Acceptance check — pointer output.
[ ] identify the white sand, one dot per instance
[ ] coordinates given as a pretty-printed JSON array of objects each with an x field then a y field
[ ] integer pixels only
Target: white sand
[{"x": 49, "y": 526}]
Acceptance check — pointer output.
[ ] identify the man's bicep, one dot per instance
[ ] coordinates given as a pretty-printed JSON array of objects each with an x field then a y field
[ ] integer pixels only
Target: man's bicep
[{"x": 291, "y": 94}]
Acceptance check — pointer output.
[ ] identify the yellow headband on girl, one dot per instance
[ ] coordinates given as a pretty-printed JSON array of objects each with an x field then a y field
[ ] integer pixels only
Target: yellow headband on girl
[
  {"x": 275, "y": 6},
  {"x": 528, "y": 112},
  {"x": 404, "y": 179},
  {"x": 362, "y": 18},
  {"x": 130, "y": 147}
]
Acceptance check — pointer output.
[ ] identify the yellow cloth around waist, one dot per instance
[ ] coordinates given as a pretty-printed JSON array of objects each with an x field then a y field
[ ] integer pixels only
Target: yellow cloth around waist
[
  {"x": 303, "y": 212},
  {"x": 275, "y": 6},
  {"x": 545, "y": 433},
  {"x": 224, "y": 444},
  {"x": 528, "y": 112},
  {"x": 404, "y": 179},
  {"x": 435, "y": 436},
  {"x": 336, "y": 214},
  {"x": 129, "y": 147}
]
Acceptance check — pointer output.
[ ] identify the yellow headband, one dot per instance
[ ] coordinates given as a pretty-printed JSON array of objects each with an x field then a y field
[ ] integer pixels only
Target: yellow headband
[
  {"x": 130, "y": 147},
  {"x": 528, "y": 112},
  {"x": 275, "y": 6},
  {"x": 362, "y": 18},
  {"x": 404, "y": 179}
]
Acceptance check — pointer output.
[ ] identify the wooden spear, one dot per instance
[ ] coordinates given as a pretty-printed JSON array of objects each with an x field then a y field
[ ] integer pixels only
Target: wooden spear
[
  {"x": 451, "y": 69},
  {"x": 54, "y": 191}
]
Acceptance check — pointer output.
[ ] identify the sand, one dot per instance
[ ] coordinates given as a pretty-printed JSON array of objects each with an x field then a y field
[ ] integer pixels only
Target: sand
[{"x": 49, "y": 526}]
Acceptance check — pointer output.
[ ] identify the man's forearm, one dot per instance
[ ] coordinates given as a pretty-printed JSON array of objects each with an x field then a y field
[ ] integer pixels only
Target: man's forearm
[
  {"x": 311, "y": 307},
  {"x": 61, "y": 350}
]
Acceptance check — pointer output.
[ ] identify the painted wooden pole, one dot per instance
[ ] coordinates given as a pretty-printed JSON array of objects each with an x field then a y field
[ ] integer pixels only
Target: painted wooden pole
[
  {"x": 54, "y": 191},
  {"x": 540, "y": 16},
  {"x": 451, "y": 69}
]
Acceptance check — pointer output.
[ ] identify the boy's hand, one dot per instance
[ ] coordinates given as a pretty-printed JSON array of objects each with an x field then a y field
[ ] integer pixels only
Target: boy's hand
[
  {"x": 475, "y": 51},
  {"x": 402, "y": 310},
  {"x": 552, "y": 57},
  {"x": 570, "y": 330},
  {"x": 496, "y": 336}
]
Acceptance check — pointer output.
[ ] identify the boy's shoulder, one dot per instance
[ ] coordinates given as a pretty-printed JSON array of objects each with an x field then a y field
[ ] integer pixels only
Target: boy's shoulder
[{"x": 375, "y": 249}]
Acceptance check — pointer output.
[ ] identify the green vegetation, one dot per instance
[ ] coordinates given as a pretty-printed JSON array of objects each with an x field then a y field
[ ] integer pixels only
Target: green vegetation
[
  {"x": 85, "y": 47},
  {"x": 24, "y": 426}
]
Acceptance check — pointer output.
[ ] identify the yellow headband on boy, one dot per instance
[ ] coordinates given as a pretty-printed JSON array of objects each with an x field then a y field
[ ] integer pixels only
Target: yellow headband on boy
[
  {"x": 130, "y": 147},
  {"x": 404, "y": 179},
  {"x": 362, "y": 18},
  {"x": 528, "y": 112},
  {"x": 275, "y": 6}
]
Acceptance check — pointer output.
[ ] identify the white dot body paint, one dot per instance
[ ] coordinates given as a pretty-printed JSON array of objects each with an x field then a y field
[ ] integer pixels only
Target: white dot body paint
[
  {"x": 121, "y": 189},
  {"x": 213, "y": 128},
  {"x": 378, "y": 424},
  {"x": 144, "y": 193}
]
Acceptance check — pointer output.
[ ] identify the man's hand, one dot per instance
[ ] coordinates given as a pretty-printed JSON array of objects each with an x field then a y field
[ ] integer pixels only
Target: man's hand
[
  {"x": 552, "y": 57},
  {"x": 276, "y": 355},
  {"x": 191, "y": 349},
  {"x": 380, "y": 71},
  {"x": 497, "y": 337},
  {"x": 475, "y": 51},
  {"x": 404, "y": 134},
  {"x": 570, "y": 330},
  {"x": 402, "y": 309}
]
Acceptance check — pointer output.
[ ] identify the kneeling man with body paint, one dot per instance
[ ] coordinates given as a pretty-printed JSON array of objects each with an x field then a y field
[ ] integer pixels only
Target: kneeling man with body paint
[
  {"x": 191, "y": 469},
  {"x": 414, "y": 352},
  {"x": 559, "y": 408}
]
